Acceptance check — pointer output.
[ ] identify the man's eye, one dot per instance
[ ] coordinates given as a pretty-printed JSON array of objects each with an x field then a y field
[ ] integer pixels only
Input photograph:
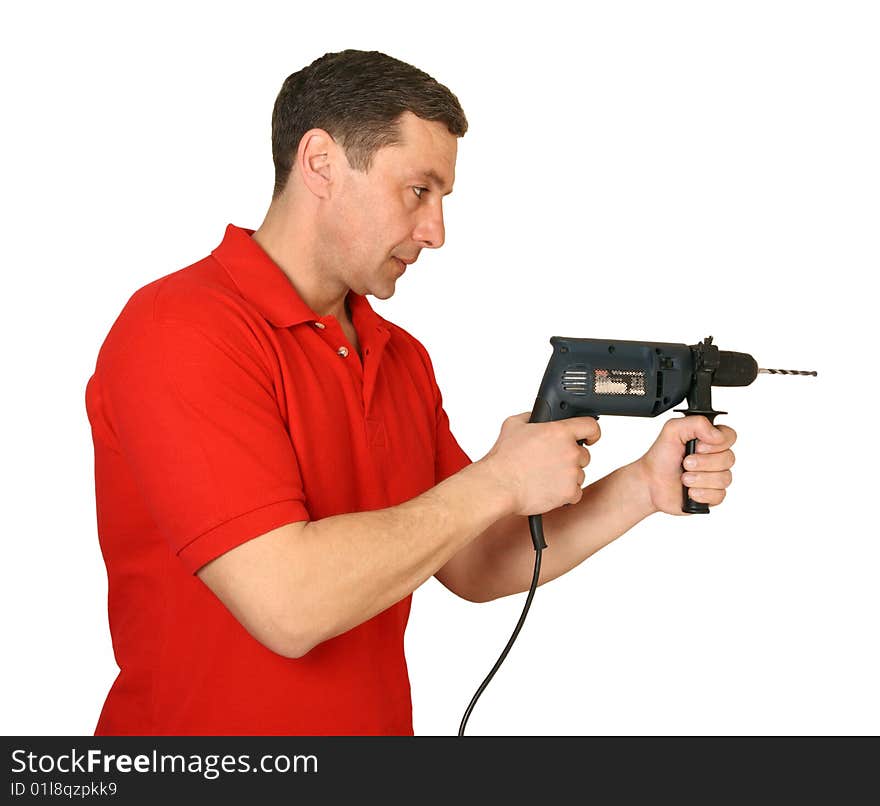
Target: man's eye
[{"x": 418, "y": 191}]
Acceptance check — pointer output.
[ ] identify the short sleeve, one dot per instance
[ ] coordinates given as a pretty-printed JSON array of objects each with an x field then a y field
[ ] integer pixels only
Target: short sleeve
[
  {"x": 192, "y": 407},
  {"x": 450, "y": 457}
]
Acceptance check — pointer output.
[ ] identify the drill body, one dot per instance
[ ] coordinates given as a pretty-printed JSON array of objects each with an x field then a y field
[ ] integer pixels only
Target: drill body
[
  {"x": 592, "y": 377},
  {"x": 635, "y": 378}
]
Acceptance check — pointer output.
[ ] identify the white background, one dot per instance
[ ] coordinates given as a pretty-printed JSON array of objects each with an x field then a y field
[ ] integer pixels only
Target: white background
[{"x": 654, "y": 171}]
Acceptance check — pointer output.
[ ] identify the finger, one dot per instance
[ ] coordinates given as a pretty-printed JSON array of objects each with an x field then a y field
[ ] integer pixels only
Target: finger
[
  {"x": 729, "y": 434},
  {"x": 693, "y": 426},
  {"x": 585, "y": 428},
  {"x": 704, "y": 496},
  {"x": 707, "y": 481},
  {"x": 710, "y": 462},
  {"x": 585, "y": 457},
  {"x": 728, "y": 437}
]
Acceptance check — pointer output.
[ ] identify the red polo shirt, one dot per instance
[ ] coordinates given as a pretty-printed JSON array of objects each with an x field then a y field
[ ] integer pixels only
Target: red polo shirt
[{"x": 222, "y": 407}]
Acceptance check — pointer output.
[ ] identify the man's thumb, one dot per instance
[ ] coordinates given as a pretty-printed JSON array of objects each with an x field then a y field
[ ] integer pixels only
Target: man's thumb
[{"x": 707, "y": 432}]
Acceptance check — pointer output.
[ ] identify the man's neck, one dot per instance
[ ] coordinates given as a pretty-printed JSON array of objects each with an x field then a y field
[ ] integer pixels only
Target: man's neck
[{"x": 292, "y": 247}]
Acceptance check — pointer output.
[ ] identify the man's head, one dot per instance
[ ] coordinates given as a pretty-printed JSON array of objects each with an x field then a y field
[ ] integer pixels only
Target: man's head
[{"x": 368, "y": 145}]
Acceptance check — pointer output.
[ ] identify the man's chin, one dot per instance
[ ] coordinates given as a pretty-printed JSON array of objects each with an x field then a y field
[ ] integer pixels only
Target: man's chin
[
  {"x": 383, "y": 287},
  {"x": 384, "y": 293}
]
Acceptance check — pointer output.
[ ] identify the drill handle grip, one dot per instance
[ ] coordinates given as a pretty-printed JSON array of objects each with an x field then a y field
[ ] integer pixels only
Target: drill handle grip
[{"x": 540, "y": 414}]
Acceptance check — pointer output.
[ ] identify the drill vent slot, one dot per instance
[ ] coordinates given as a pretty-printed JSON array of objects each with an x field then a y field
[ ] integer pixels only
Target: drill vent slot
[{"x": 574, "y": 380}]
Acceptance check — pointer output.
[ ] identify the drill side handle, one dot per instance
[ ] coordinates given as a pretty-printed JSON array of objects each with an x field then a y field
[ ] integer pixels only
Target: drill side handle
[
  {"x": 688, "y": 504},
  {"x": 707, "y": 359}
]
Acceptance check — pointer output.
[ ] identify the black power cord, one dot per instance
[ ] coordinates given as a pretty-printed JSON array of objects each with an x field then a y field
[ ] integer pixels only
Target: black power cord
[{"x": 536, "y": 527}]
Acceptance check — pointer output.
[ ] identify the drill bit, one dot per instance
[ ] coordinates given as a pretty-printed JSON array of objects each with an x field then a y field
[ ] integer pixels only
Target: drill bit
[{"x": 789, "y": 371}]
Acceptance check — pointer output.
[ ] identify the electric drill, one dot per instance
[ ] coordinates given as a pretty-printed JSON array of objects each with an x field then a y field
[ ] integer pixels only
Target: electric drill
[{"x": 590, "y": 377}]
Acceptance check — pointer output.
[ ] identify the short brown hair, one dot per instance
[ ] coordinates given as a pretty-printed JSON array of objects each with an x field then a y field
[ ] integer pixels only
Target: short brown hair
[{"x": 357, "y": 97}]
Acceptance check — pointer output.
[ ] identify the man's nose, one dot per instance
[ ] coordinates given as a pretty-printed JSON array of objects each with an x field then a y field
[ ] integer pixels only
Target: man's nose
[{"x": 430, "y": 229}]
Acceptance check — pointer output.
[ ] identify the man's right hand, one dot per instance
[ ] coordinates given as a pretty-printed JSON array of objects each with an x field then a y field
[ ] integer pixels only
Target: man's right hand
[{"x": 541, "y": 464}]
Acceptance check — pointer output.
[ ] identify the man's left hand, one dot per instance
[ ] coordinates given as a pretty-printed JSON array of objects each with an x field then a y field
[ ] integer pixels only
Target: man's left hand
[{"x": 706, "y": 473}]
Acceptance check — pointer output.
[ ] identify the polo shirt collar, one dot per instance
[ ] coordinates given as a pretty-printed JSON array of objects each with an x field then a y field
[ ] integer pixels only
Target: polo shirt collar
[{"x": 261, "y": 281}]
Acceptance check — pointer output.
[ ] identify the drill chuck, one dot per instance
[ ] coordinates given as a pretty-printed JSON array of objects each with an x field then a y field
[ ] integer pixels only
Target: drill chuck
[{"x": 734, "y": 369}]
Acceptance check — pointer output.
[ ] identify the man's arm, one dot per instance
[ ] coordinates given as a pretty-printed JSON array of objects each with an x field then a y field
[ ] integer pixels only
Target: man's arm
[
  {"x": 501, "y": 560},
  {"x": 303, "y": 583},
  {"x": 306, "y": 582}
]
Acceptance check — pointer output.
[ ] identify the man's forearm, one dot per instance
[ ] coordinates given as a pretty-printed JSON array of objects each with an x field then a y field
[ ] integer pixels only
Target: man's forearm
[
  {"x": 501, "y": 560},
  {"x": 351, "y": 567}
]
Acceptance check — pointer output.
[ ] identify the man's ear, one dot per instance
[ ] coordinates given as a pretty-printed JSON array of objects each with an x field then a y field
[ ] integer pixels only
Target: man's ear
[{"x": 318, "y": 160}]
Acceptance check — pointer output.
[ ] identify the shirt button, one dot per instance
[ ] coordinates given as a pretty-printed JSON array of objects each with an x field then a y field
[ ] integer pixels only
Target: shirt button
[
  {"x": 343, "y": 351},
  {"x": 320, "y": 325}
]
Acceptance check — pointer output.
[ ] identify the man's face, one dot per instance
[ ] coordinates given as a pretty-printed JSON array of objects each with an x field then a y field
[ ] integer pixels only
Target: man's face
[{"x": 393, "y": 211}]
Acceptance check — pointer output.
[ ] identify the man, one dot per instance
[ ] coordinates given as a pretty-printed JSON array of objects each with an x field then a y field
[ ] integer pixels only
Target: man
[{"x": 275, "y": 472}]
